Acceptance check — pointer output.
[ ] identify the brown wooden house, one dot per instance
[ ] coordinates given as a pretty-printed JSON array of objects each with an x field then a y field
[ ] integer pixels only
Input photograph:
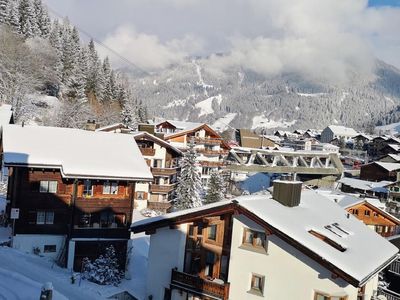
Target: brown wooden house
[
  {"x": 379, "y": 171},
  {"x": 74, "y": 189}
]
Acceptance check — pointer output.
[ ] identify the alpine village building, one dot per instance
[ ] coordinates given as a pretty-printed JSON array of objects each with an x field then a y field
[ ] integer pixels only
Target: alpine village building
[
  {"x": 74, "y": 190},
  {"x": 279, "y": 247},
  {"x": 210, "y": 146}
]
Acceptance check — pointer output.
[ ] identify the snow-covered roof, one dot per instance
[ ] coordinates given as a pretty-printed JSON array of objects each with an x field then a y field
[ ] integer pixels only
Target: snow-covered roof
[
  {"x": 165, "y": 144},
  {"x": 342, "y": 130},
  {"x": 395, "y": 157},
  {"x": 395, "y": 147},
  {"x": 388, "y": 166},
  {"x": 364, "y": 185},
  {"x": 113, "y": 127},
  {"x": 364, "y": 136},
  {"x": 6, "y": 114},
  {"x": 347, "y": 200},
  {"x": 78, "y": 153},
  {"x": 182, "y": 125},
  {"x": 365, "y": 252}
]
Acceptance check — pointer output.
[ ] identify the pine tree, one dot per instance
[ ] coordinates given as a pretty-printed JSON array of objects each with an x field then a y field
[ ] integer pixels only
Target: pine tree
[
  {"x": 4, "y": 11},
  {"x": 27, "y": 19},
  {"x": 104, "y": 270},
  {"x": 42, "y": 19},
  {"x": 55, "y": 41},
  {"x": 129, "y": 115},
  {"x": 13, "y": 18},
  {"x": 142, "y": 112},
  {"x": 189, "y": 183},
  {"x": 108, "y": 80},
  {"x": 216, "y": 188}
]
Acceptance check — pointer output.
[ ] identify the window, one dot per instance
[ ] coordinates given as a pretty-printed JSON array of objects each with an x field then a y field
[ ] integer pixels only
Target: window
[
  {"x": 355, "y": 211},
  {"x": 323, "y": 296},
  {"x": 157, "y": 163},
  {"x": 210, "y": 260},
  {"x": 110, "y": 188},
  {"x": 140, "y": 195},
  {"x": 87, "y": 188},
  {"x": 44, "y": 217},
  {"x": 50, "y": 248},
  {"x": 257, "y": 284},
  {"x": 254, "y": 239},
  {"x": 212, "y": 232},
  {"x": 48, "y": 186},
  {"x": 367, "y": 213}
]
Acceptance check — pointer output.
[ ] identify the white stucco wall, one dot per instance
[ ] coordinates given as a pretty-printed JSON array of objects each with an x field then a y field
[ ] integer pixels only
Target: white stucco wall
[
  {"x": 26, "y": 243},
  {"x": 167, "y": 251},
  {"x": 289, "y": 274}
]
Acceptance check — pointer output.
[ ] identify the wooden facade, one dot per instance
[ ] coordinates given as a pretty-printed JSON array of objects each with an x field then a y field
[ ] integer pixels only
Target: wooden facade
[
  {"x": 375, "y": 172},
  {"x": 381, "y": 222},
  {"x": 75, "y": 208}
]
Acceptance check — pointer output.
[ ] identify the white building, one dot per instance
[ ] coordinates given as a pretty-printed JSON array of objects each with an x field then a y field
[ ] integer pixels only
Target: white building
[
  {"x": 335, "y": 131},
  {"x": 299, "y": 246}
]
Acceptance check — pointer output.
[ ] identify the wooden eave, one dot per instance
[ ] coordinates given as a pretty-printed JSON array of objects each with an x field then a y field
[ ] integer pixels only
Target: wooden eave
[
  {"x": 157, "y": 140},
  {"x": 377, "y": 210},
  {"x": 234, "y": 208}
]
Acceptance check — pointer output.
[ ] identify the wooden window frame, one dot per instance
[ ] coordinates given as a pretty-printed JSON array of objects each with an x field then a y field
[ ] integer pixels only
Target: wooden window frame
[
  {"x": 215, "y": 235},
  {"x": 254, "y": 240},
  {"x": 108, "y": 187},
  {"x": 45, "y": 215},
  {"x": 44, "y": 186},
  {"x": 85, "y": 191}
]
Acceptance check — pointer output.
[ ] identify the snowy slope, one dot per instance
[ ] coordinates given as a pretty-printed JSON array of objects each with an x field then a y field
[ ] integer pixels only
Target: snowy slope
[
  {"x": 206, "y": 106},
  {"x": 223, "y": 123},
  {"x": 261, "y": 121}
]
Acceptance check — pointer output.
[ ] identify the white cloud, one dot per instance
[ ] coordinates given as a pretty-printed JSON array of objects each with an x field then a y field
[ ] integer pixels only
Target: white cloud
[{"x": 146, "y": 50}]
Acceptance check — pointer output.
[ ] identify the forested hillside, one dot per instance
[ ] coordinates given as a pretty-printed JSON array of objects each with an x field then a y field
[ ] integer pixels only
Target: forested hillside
[{"x": 41, "y": 58}]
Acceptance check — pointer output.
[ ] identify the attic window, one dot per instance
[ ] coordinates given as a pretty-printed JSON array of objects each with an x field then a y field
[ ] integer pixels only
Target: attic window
[{"x": 327, "y": 240}]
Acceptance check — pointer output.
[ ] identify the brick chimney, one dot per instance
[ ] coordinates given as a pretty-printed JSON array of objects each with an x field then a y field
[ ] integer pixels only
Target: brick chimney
[{"x": 287, "y": 192}]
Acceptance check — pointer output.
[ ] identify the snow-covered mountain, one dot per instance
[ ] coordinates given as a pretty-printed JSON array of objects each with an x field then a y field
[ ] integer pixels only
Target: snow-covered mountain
[{"x": 240, "y": 98}]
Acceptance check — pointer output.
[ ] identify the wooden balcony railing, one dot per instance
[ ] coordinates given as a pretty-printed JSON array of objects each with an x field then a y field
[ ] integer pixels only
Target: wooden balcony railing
[
  {"x": 159, "y": 205},
  {"x": 202, "y": 286},
  {"x": 390, "y": 295},
  {"x": 212, "y": 164},
  {"x": 163, "y": 171},
  {"x": 158, "y": 188},
  {"x": 212, "y": 152},
  {"x": 209, "y": 141},
  {"x": 148, "y": 151},
  {"x": 395, "y": 266}
]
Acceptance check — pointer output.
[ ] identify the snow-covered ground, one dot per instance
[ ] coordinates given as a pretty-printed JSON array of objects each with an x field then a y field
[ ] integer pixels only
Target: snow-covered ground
[
  {"x": 223, "y": 123},
  {"x": 312, "y": 95},
  {"x": 14, "y": 286},
  {"x": 206, "y": 105},
  {"x": 261, "y": 121},
  {"x": 38, "y": 270},
  {"x": 177, "y": 102},
  {"x": 390, "y": 128}
]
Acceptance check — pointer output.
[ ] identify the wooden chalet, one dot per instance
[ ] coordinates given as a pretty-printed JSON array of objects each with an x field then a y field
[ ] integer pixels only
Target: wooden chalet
[
  {"x": 74, "y": 190},
  {"x": 212, "y": 149},
  {"x": 252, "y": 246},
  {"x": 379, "y": 171},
  {"x": 163, "y": 160}
]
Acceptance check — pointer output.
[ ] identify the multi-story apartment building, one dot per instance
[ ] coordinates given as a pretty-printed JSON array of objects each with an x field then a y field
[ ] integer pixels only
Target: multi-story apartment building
[
  {"x": 163, "y": 160},
  {"x": 74, "y": 190},
  {"x": 294, "y": 245},
  {"x": 209, "y": 144}
]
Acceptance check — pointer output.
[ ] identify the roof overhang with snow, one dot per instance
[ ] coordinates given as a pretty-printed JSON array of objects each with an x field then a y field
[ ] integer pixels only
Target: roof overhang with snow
[{"x": 76, "y": 153}]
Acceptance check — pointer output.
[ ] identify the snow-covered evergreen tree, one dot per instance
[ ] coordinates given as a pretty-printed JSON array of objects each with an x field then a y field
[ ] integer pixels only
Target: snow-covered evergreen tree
[
  {"x": 42, "y": 19},
  {"x": 104, "y": 270},
  {"x": 129, "y": 115},
  {"x": 27, "y": 19},
  {"x": 13, "y": 18},
  {"x": 4, "y": 11},
  {"x": 216, "y": 188},
  {"x": 189, "y": 182}
]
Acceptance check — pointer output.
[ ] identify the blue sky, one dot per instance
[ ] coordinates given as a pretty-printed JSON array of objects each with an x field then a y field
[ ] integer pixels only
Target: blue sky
[{"x": 384, "y": 2}]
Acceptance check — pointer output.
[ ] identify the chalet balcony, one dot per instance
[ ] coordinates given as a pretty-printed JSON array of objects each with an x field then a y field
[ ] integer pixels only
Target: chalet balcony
[
  {"x": 208, "y": 141},
  {"x": 159, "y": 205},
  {"x": 184, "y": 281},
  {"x": 212, "y": 164},
  {"x": 163, "y": 171},
  {"x": 148, "y": 151},
  {"x": 394, "y": 267},
  {"x": 212, "y": 152},
  {"x": 164, "y": 188}
]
